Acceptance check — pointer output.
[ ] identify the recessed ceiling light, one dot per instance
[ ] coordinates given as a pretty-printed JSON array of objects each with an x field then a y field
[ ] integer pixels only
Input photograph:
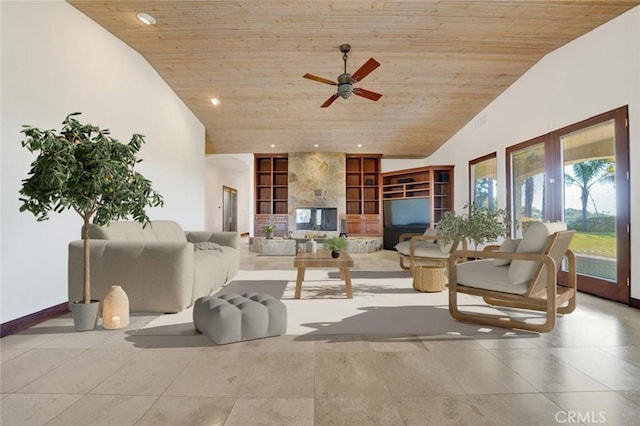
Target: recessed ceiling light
[
  {"x": 215, "y": 101},
  {"x": 273, "y": 146},
  {"x": 315, "y": 145},
  {"x": 146, "y": 18},
  {"x": 359, "y": 145}
]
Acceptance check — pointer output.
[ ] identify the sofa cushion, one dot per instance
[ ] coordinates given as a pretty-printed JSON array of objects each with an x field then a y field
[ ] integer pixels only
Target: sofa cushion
[
  {"x": 507, "y": 246},
  {"x": 210, "y": 271},
  {"x": 533, "y": 241},
  {"x": 158, "y": 230}
]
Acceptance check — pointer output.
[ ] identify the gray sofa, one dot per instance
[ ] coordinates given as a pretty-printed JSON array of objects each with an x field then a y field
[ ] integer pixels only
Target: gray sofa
[{"x": 161, "y": 267}]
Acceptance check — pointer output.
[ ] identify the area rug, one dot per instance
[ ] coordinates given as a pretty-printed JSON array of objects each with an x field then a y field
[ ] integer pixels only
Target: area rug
[{"x": 383, "y": 303}]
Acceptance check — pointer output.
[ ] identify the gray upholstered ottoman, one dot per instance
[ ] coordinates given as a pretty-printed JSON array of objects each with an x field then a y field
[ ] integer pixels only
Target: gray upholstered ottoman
[{"x": 233, "y": 317}]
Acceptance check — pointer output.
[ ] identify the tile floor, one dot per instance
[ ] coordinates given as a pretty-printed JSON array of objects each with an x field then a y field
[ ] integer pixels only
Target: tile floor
[{"x": 585, "y": 372}]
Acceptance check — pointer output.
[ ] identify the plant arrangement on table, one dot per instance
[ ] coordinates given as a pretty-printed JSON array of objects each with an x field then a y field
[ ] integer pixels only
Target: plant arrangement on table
[
  {"x": 268, "y": 230},
  {"x": 83, "y": 168},
  {"x": 479, "y": 226},
  {"x": 335, "y": 244}
]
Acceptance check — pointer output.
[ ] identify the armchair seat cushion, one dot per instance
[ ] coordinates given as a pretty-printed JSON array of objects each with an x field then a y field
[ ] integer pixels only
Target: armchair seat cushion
[{"x": 485, "y": 275}]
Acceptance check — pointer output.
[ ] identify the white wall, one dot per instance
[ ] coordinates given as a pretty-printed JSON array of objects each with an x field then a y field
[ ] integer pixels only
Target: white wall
[
  {"x": 235, "y": 171},
  {"x": 56, "y": 60},
  {"x": 393, "y": 164},
  {"x": 596, "y": 73}
]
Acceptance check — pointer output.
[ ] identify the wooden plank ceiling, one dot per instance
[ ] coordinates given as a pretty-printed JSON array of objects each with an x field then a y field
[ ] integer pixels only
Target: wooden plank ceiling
[{"x": 441, "y": 63}]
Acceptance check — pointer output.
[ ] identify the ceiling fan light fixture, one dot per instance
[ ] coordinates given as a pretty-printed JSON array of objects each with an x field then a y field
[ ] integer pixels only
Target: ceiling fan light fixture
[
  {"x": 146, "y": 18},
  {"x": 345, "y": 90},
  {"x": 345, "y": 85}
]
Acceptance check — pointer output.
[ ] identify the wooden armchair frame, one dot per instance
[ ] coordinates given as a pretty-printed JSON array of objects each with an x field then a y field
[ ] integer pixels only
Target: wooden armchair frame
[{"x": 543, "y": 293}]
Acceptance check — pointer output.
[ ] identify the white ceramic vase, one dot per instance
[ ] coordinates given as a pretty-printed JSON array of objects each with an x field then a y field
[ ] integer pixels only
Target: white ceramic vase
[{"x": 312, "y": 246}]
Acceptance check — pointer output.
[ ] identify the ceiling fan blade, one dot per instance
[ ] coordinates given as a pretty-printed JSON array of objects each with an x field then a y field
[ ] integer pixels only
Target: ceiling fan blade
[
  {"x": 319, "y": 79},
  {"x": 329, "y": 101},
  {"x": 365, "y": 69},
  {"x": 367, "y": 94}
]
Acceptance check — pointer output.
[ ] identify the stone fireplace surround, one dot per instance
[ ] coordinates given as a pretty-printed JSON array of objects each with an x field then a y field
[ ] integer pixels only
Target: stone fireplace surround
[{"x": 316, "y": 179}]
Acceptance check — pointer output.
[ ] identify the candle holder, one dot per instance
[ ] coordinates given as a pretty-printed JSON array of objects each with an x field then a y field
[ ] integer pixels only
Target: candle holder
[{"x": 115, "y": 309}]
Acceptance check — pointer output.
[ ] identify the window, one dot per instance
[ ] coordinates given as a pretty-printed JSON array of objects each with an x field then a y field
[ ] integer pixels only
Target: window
[{"x": 483, "y": 190}]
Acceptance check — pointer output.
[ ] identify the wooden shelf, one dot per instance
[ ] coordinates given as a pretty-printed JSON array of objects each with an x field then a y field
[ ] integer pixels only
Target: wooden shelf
[
  {"x": 271, "y": 192},
  {"x": 432, "y": 182},
  {"x": 363, "y": 194}
]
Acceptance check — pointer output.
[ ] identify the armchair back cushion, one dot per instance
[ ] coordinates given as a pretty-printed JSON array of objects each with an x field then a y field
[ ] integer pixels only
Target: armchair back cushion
[
  {"x": 507, "y": 246},
  {"x": 445, "y": 247},
  {"x": 533, "y": 241}
]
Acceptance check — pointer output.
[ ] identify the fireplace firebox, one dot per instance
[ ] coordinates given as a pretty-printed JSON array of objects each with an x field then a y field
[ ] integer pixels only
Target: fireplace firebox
[{"x": 317, "y": 219}]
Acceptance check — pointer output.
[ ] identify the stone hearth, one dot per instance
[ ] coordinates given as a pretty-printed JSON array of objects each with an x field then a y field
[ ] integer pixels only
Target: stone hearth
[{"x": 288, "y": 246}]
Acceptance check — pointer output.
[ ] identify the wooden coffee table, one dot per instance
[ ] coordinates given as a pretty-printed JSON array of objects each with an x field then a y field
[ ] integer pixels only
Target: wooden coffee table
[{"x": 323, "y": 259}]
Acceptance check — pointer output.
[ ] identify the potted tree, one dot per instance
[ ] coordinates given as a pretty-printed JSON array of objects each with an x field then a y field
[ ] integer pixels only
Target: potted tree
[
  {"x": 479, "y": 226},
  {"x": 335, "y": 244},
  {"x": 83, "y": 168}
]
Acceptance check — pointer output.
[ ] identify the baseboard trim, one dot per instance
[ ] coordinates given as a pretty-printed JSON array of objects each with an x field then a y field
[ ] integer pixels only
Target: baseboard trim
[
  {"x": 22, "y": 323},
  {"x": 634, "y": 303}
]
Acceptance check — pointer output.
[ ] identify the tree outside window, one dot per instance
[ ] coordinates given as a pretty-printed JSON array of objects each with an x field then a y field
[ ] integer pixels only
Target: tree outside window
[{"x": 483, "y": 190}]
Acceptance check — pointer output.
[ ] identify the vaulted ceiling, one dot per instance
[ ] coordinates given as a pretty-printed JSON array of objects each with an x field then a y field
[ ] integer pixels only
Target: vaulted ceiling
[{"x": 441, "y": 63}]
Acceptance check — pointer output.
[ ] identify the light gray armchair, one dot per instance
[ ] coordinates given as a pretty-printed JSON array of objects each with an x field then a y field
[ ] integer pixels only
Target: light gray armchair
[{"x": 523, "y": 276}]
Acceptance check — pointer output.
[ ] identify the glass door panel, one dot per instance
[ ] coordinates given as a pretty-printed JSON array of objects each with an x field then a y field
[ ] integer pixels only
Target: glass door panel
[
  {"x": 589, "y": 202},
  {"x": 528, "y": 187}
]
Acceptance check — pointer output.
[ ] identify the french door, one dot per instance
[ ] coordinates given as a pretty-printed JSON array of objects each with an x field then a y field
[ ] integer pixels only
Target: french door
[{"x": 580, "y": 175}]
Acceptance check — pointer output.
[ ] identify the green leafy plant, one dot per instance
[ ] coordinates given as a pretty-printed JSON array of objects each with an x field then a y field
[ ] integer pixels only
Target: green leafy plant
[
  {"x": 480, "y": 225},
  {"x": 336, "y": 243},
  {"x": 267, "y": 229},
  {"x": 84, "y": 169}
]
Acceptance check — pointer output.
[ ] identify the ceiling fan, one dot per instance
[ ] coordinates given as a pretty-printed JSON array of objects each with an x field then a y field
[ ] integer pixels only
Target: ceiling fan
[{"x": 346, "y": 80}]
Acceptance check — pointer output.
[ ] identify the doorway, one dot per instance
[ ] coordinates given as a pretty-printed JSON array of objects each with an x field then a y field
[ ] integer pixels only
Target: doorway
[
  {"x": 229, "y": 209},
  {"x": 580, "y": 175}
]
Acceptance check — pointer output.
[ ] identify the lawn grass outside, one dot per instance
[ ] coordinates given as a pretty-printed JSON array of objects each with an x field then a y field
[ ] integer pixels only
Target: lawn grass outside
[{"x": 598, "y": 244}]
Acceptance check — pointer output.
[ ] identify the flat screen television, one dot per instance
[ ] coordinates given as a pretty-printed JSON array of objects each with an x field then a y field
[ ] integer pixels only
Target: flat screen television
[
  {"x": 407, "y": 212},
  {"x": 317, "y": 218}
]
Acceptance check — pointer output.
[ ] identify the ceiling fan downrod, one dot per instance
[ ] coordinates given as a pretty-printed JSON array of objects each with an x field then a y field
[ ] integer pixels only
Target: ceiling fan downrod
[
  {"x": 345, "y": 84},
  {"x": 345, "y": 48}
]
